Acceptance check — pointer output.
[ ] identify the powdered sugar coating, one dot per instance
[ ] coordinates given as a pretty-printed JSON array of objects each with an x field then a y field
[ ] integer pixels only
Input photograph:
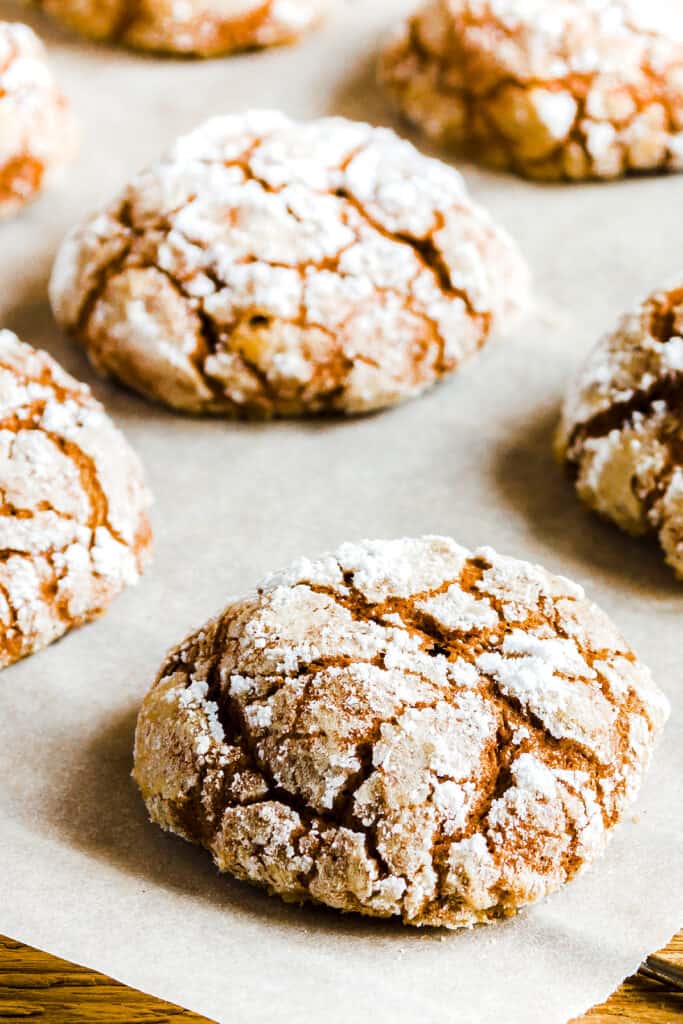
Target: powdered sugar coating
[
  {"x": 622, "y": 424},
  {"x": 270, "y": 268},
  {"x": 331, "y": 739},
  {"x": 37, "y": 129},
  {"x": 552, "y": 89},
  {"x": 73, "y": 522},
  {"x": 197, "y": 28}
]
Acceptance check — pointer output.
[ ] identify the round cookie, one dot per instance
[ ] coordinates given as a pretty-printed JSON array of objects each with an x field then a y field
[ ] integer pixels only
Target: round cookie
[
  {"x": 401, "y": 728},
  {"x": 195, "y": 28},
  {"x": 37, "y": 129},
  {"x": 73, "y": 523},
  {"x": 271, "y": 268},
  {"x": 622, "y": 425},
  {"x": 552, "y": 89}
]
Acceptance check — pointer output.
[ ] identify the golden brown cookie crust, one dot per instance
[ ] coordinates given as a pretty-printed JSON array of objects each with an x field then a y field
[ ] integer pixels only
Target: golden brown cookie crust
[
  {"x": 196, "y": 28},
  {"x": 37, "y": 129},
  {"x": 73, "y": 523},
  {"x": 622, "y": 426},
  {"x": 401, "y": 728},
  {"x": 268, "y": 268},
  {"x": 566, "y": 89}
]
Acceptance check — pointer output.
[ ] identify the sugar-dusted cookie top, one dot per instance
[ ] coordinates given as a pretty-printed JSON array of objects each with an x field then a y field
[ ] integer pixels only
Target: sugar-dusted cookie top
[
  {"x": 551, "y": 89},
  {"x": 73, "y": 523},
  {"x": 622, "y": 425},
  {"x": 401, "y": 728},
  {"x": 265, "y": 267},
  {"x": 37, "y": 129},
  {"x": 197, "y": 28}
]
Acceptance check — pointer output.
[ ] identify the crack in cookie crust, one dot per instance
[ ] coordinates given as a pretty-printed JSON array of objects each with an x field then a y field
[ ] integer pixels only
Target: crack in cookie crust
[
  {"x": 401, "y": 728},
  {"x": 622, "y": 426},
  {"x": 37, "y": 129},
  {"x": 570, "y": 89},
  {"x": 269, "y": 268},
  {"x": 195, "y": 28},
  {"x": 73, "y": 522}
]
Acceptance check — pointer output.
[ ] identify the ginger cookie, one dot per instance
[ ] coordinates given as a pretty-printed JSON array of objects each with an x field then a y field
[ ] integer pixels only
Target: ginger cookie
[
  {"x": 402, "y": 728},
  {"x": 551, "y": 89},
  {"x": 195, "y": 28},
  {"x": 73, "y": 524},
  {"x": 622, "y": 425},
  {"x": 268, "y": 268},
  {"x": 37, "y": 129}
]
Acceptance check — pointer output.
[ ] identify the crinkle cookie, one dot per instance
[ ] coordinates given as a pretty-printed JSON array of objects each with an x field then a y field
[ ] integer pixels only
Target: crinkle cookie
[
  {"x": 622, "y": 425},
  {"x": 37, "y": 129},
  {"x": 271, "y": 268},
  {"x": 73, "y": 522},
  {"x": 198, "y": 28},
  {"x": 552, "y": 89},
  {"x": 401, "y": 728}
]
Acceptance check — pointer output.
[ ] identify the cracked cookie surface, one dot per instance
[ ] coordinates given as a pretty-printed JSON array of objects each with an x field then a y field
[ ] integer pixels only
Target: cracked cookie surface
[
  {"x": 622, "y": 426},
  {"x": 265, "y": 268},
  {"x": 401, "y": 728},
  {"x": 37, "y": 129},
  {"x": 194, "y": 28},
  {"x": 73, "y": 522},
  {"x": 566, "y": 89}
]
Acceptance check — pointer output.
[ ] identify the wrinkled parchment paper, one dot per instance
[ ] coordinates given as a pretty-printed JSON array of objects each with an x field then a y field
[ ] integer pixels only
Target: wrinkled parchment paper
[{"x": 82, "y": 873}]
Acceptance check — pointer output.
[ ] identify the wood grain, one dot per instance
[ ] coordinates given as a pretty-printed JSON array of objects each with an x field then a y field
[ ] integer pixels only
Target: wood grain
[
  {"x": 35, "y": 986},
  {"x": 640, "y": 1001}
]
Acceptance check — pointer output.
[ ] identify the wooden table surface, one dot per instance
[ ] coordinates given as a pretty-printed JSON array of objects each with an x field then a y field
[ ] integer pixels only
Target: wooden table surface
[{"x": 35, "y": 986}]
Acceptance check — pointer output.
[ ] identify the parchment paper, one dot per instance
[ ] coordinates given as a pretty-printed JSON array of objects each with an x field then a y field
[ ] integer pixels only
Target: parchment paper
[{"x": 82, "y": 873}]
